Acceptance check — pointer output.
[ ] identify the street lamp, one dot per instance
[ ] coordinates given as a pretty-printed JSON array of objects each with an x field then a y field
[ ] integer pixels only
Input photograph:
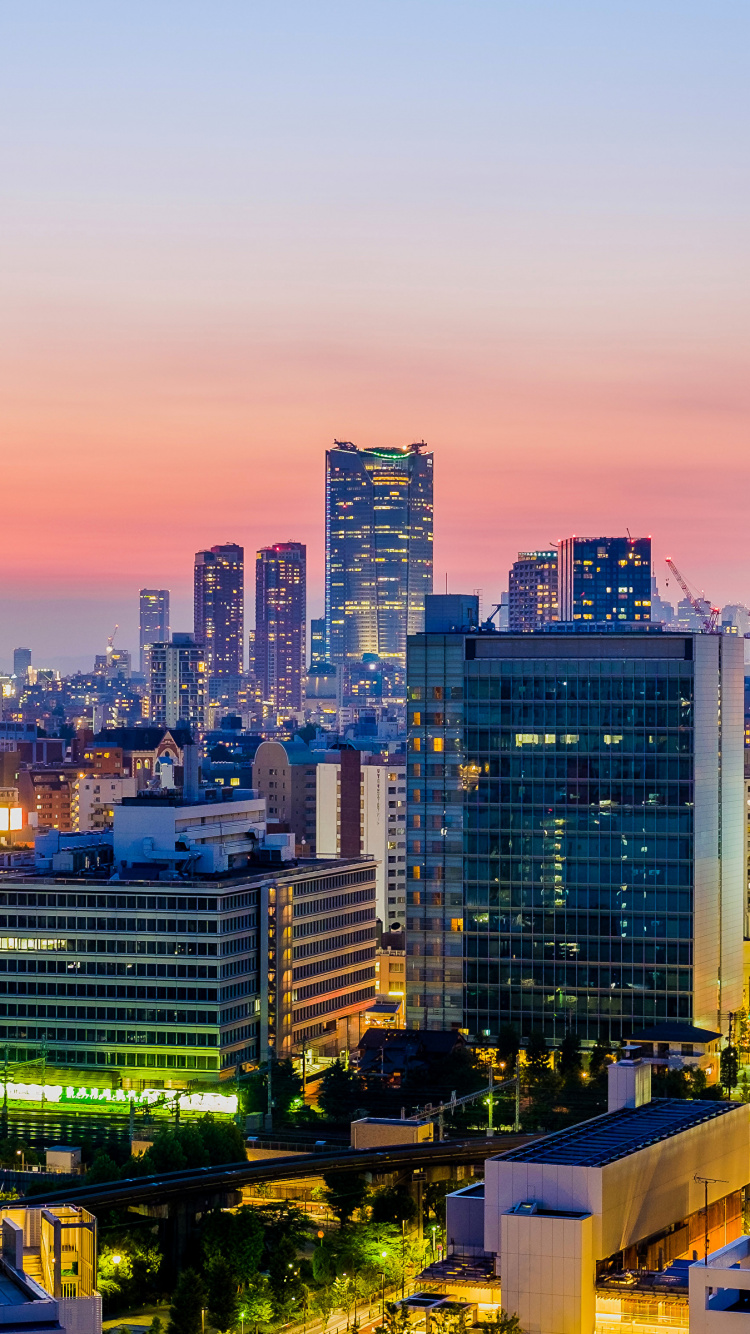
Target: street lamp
[
  {"x": 116, "y": 1259},
  {"x": 20, "y": 1154}
]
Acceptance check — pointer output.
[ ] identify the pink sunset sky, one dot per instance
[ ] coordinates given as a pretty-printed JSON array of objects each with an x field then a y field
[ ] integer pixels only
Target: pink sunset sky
[{"x": 234, "y": 232}]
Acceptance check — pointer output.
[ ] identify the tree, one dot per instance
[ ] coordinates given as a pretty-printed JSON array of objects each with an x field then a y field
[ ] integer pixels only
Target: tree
[
  {"x": 156, "y": 1325},
  {"x": 284, "y": 1276},
  {"x": 729, "y": 1068},
  {"x": 286, "y": 1089},
  {"x": 393, "y": 1205},
  {"x": 324, "y": 1303},
  {"x": 571, "y": 1061},
  {"x": 102, "y": 1169},
  {"x": 257, "y": 1307},
  {"x": 345, "y": 1193},
  {"x": 188, "y": 1300},
  {"x": 500, "y": 1322},
  {"x": 598, "y": 1061},
  {"x": 507, "y": 1048},
  {"x": 237, "y": 1238},
  {"x": 340, "y": 1092},
  {"x": 223, "y": 1301},
  {"x": 397, "y": 1318},
  {"x": 537, "y": 1056}
]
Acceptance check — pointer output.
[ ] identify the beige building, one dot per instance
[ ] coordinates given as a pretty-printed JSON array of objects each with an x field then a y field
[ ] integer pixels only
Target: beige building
[
  {"x": 48, "y": 1268},
  {"x": 284, "y": 776},
  {"x": 94, "y": 799}
]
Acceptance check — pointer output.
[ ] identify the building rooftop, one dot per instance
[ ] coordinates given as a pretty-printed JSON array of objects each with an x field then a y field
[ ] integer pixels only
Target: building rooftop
[
  {"x": 252, "y": 875},
  {"x": 674, "y": 1032},
  {"x": 616, "y": 1135}
]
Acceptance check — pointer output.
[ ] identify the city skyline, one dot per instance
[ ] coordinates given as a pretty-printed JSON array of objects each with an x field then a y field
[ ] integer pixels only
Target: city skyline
[{"x": 541, "y": 273}]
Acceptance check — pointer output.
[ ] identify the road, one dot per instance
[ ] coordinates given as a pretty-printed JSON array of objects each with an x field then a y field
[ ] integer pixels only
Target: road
[{"x": 233, "y": 1176}]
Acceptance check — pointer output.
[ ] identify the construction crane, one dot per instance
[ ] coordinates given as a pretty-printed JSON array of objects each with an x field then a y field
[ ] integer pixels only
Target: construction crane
[
  {"x": 701, "y": 606},
  {"x": 111, "y": 640}
]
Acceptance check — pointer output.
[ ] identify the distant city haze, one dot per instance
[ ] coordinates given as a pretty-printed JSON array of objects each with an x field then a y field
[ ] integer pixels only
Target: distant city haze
[{"x": 234, "y": 234}]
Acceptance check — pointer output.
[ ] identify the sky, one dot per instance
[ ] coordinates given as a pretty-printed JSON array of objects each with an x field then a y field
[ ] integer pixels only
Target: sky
[{"x": 231, "y": 232}]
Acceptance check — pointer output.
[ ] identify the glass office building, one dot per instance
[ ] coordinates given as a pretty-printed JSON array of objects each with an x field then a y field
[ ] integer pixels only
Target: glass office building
[
  {"x": 378, "y": 550},
  {"x": 603, "y": 579},
  {"x": 575, "y": 831}
]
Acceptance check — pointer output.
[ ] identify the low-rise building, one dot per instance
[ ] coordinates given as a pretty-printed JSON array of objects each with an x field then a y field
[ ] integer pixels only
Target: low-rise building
[
  {"x": 48, "y": 1270},
  {"x": 596, "y": 1227},
  {"x": 95, "y": 797},
  {"x": 284, "y": 775}
]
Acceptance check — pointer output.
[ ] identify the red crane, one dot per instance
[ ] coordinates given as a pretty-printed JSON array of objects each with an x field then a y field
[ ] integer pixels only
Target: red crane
[{"x": 701, "y": 606}]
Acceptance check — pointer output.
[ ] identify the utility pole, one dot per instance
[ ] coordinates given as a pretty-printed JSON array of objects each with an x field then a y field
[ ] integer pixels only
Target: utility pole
[
  {"x": 706, "y": 1182},
  {"x": 4, "y": 1116},
  {"x": 269, "y": 1111},
  {"x": 491, "y": 1125}
]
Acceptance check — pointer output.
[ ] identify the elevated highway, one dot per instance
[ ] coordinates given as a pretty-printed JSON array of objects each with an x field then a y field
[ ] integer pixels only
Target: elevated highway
[{"x": 179, "y": 1187}]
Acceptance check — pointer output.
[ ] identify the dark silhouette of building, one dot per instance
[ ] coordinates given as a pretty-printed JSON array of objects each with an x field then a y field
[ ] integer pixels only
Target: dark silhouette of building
[
  {"x": 220, "y": 607},
  {"x": 154, "y": 609}
]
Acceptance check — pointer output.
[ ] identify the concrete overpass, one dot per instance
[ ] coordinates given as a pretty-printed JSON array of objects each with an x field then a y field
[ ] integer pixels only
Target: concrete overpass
[{"x": 179, "y": 1187}]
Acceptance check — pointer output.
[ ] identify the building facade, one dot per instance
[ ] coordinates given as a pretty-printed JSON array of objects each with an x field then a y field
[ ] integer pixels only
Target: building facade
[
  {"x": 320, "y": 929},
  {"x": 154, "y": 621},
  {"x": 602, "y": 579},
  {"x": 284, "y": 775},
  {"x": 168, "y": 979},
  {"x": 219, "y": 607},
  {"x": 361, "y": 808},
  {"x": 378, "y": 550},
  {"x": 575, "y": 841},
  {"x": 317, "y": 641},
  {"x": 280, "y": 620},
  {"x": 178, "y": 682},
  {"x": 532, "y": 591}
]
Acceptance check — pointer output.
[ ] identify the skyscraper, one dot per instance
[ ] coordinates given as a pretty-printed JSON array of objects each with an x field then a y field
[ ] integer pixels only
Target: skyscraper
[
  {"x": 154, "y": 620},
  {"x": 532, "y": 590},
  {"x": 220, "y": 607},
  {"x": 575, "y": 831},
  {"x": 378, "y": 550},
  {"x": 280, "y": 611},
  {"x": 317, "y": 641},
  {"x": 604, "y": 579},
  {"x": 21, "y": 663}
]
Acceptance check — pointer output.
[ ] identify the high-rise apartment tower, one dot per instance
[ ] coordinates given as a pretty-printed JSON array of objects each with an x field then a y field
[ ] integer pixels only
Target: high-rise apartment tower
[
  {"x": 378, "y": 550},
  {"x": 280, "y": 610},
  {"x": 154, "y": 608},
  {"x": 219, "y": 603},
  {"x": 177, "y": 683},
  {"x": 604, "y": 579},
  {"x": 575, "y": 831},
  {"x": 532, "y": 590}
]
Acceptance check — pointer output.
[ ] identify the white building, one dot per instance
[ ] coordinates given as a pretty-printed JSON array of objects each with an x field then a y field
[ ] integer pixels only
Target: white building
[
  {"x": 361, "y": 808},
  {"x": 596, "y": 1227},
  {"x": 48, "y": 1271},
  {"x": 204, "y": 837},
  {"x": 95, "y": 797}
]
